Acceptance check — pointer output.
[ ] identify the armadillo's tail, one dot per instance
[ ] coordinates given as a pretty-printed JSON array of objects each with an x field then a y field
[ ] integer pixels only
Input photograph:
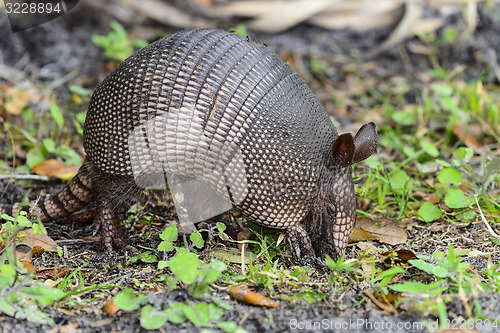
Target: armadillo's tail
[{"x": 74, "y": 196}]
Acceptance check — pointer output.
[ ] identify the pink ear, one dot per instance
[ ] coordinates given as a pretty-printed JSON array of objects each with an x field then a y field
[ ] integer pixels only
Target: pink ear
[
  {"x": 365, "y": 142},
  {"x": 342, "y": 151}
]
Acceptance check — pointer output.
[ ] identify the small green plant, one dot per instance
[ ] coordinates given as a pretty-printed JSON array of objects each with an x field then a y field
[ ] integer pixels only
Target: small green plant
[
  {"x": 44, "y": 142},
  {"x": 116, "y": 44},
  {"x": 185, "y": 297},
  {"x": 241, "y": 30},
  {"x": 451, "y": 276},
  {"x": 21, "y": 296},
  {"x": 341, "y": 270},
  {"x": 317, "y": 66}
]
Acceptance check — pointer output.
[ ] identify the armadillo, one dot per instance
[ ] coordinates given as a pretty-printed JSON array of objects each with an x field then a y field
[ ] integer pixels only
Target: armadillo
[{"x": 226, "y": 112}]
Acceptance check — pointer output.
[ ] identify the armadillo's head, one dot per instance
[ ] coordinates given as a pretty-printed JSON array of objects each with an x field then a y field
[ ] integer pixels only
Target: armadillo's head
[{"x": 331, "y": 219}]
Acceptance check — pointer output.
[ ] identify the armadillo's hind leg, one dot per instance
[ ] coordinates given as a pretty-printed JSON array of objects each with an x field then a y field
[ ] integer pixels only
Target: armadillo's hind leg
[
  {"x": 107, "y": 222},
  {"x": 111, "y": 190}
]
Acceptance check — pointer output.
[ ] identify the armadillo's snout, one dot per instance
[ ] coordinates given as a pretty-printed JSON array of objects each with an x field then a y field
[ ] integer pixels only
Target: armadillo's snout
[{"x": 344, "y": 216}]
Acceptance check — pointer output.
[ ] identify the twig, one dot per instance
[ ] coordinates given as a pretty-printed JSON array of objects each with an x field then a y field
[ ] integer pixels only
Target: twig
[
  {"x": 490, "y": 230},
  {"x": 32, "y": 177}
]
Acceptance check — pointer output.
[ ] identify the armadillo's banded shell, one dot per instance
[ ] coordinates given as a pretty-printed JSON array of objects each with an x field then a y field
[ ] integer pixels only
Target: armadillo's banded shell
[{"x": 191, "y": 103}]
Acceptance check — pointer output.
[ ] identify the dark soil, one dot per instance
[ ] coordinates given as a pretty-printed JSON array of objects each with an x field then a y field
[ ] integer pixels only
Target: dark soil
[{"x": 64, "y": 45}]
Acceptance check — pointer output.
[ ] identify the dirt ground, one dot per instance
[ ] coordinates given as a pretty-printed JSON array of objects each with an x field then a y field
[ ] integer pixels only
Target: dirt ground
[{"x": 64, "y": 46}]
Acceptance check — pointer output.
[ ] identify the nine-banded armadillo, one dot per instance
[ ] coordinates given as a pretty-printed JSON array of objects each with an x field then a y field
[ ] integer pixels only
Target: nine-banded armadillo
[{"x": 228, "y": 118}]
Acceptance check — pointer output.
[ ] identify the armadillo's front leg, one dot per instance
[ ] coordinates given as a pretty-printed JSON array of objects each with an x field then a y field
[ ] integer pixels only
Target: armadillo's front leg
[
  {"x": 107, "y": 221},
  {"x": 301, "y": 244}
]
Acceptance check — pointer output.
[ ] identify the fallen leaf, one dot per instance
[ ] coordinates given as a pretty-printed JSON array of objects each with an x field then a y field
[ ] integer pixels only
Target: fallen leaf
[
  {"x": 232, "y": 255},
  {"x": 50, "y": 283},
  {"x": 367, "y": 269},
  {"x": 23, "y": 252},
  {"x": 55, "y": 168},
  {"x": 367, "y": 247},
  {"x": 477, "y": 253},
  {"x": 389, "y": 298},
  {"x": 16, "y": 100},
  {"x": 360, "y": 20},
  {"x": 280, "y": 238},
  {"x": 388, "y": 231},
  {"x": 289, "y": 14},
  {"x": 52, "y": 273},
  {"x": 110, "y": 308},
  {"x": 359, "y": 234},
  {"x": 399, "y": 257},
  {"x": 44, "y": 242},
  {"x": 386, "y": 306},
  {"x": 468, "y": 134},
  {"x": 245, "y": 295},
  {"x": 28, "y": 265}
]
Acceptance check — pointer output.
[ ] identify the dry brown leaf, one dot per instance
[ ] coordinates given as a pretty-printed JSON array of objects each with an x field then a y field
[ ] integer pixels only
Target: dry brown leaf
[
  {"x": 465, "y": 186},
  {"x": 399, "y": 257},
  {"x": 388, "y": 299},
  {"x": 288, "y": 15},
  {"x": 50, "y": 283},
  {"x": 31, "y": 240},
  {"x": 387, "y": 231},
  {"x": 360, "y": 15},
  {"x": 28, "y": 265},
  {"x": 16, "y": 100},
  {"x": 368, "y": 247},
  {"x": 359, "y": 20},
  {"x": 477, "y": 253},
  {"x": 23, "y": 252},
  {"x": 52, "y": 273},
  {"x": 359, "y": 234},
  {"x": 110, "y": 308},
  {"x": 468, "y": 134},
  {"x": 367, "y": 269},
  {"x": 55, "y": 168},
  {"x": 245, "y": 295},
  {"x": 387, "y": 307},
  {"x": 232, "y": 255}
]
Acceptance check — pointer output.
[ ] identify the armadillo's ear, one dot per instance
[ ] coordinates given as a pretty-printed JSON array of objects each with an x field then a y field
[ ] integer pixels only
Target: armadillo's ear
[
  {"x": 365, "y": 142},
  {"x": 342, "y": 151}
]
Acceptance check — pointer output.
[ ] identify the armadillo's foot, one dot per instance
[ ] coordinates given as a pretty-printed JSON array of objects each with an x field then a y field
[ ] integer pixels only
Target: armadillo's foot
[
  {"x": 301, "y": 244},
  {"x": 107, "y": 222}
]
